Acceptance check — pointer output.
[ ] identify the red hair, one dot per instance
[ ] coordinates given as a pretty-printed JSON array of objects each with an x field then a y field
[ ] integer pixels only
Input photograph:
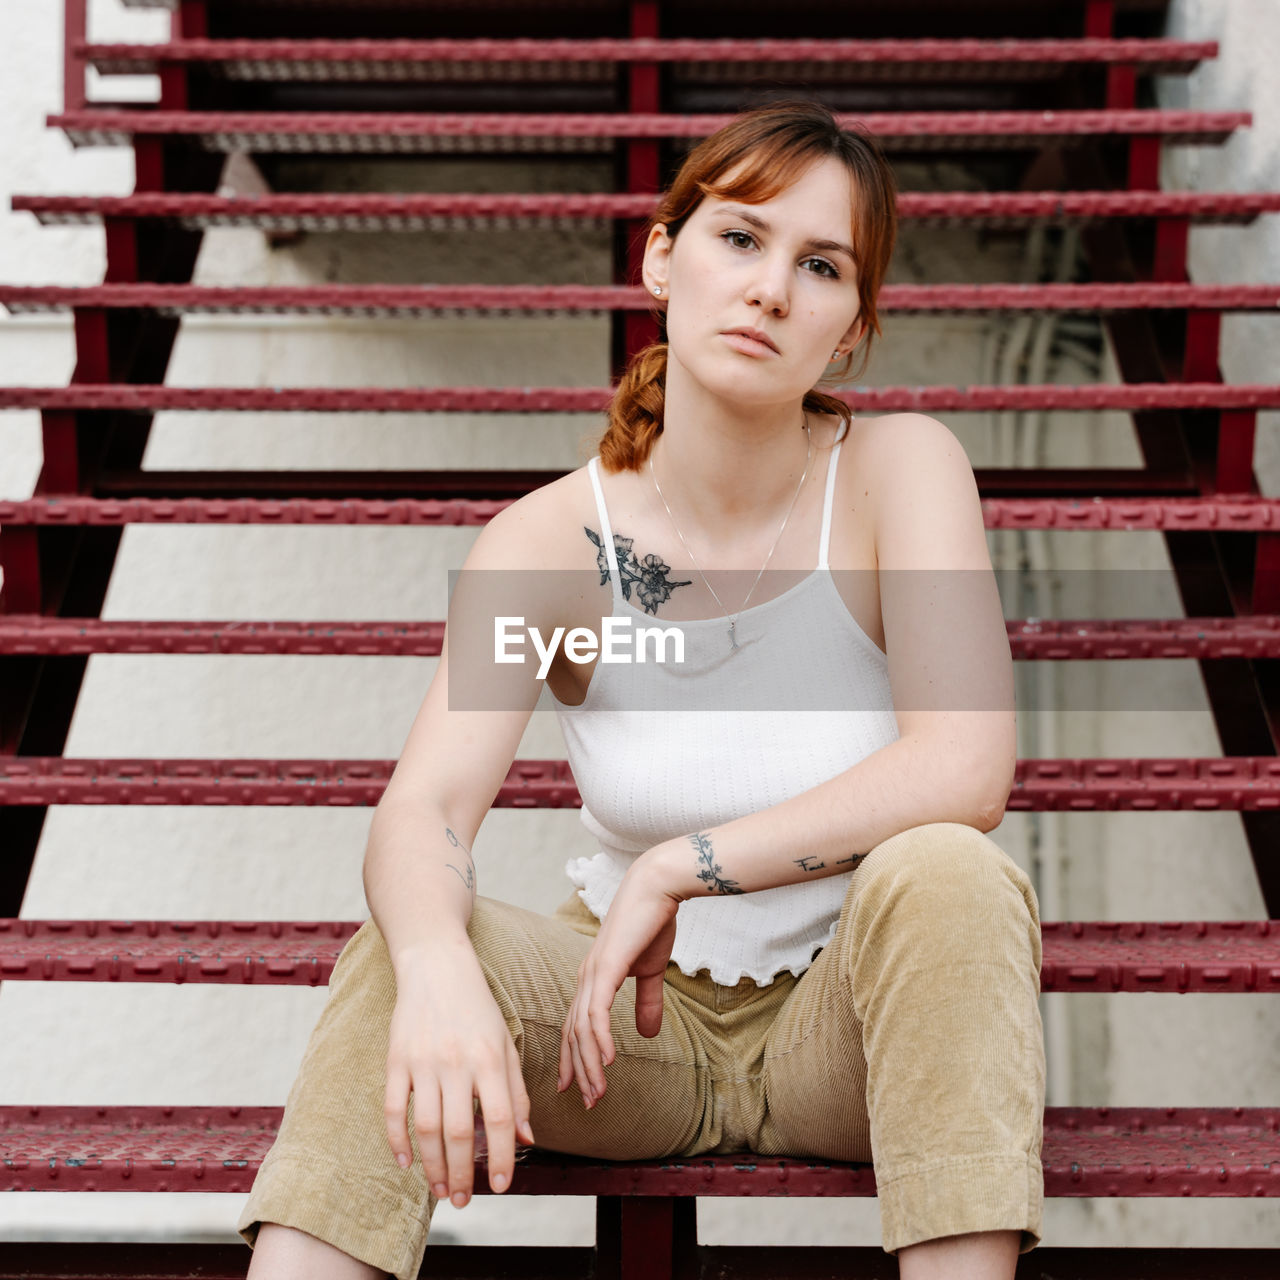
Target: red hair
[{"x": 779, "y": 142}]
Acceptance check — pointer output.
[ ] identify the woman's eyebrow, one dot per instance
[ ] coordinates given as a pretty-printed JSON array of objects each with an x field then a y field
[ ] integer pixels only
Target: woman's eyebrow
[{"x": 757, "y": 221}]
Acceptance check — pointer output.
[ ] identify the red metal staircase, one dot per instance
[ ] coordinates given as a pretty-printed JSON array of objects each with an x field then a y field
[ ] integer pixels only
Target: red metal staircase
[{"x": 1054, "y": 93}]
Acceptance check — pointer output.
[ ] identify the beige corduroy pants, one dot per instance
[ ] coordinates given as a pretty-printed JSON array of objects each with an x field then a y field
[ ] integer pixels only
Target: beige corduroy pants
[{"x": 914, "y": 1041}]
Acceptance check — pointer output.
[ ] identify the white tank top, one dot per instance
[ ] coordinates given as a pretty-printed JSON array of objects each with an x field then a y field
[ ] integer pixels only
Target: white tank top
[{"x": 805, "y": 696}]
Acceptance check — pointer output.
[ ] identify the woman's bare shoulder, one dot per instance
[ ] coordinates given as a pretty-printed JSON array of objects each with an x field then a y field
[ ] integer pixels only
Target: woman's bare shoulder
[
  {"x": 890, "y": 444},
  {"x": 544, "y": 528}
]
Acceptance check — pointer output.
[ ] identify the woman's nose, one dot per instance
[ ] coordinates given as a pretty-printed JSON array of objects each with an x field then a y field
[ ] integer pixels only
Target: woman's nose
[{"x": 769, "y": 288}]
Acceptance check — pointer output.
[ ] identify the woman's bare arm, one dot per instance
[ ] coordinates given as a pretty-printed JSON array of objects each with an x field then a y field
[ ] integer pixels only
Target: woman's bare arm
[
  {"x": 448, "y": 1042},
  {"x": 419, "y": 876}
]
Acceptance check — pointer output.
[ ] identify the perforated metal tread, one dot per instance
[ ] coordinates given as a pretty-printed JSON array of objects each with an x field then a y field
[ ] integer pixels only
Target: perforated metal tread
[
  {"x": 1213, "y": 784},
  {"x": 1087, "y": 1151},
  {"x": 1202, "y": 639},
  {"x": 1224, "y": 512},
  {"x": 411, "y": 211},
  {"x": 138, "y": 398},
  {"x": 114, "y": 1261},
  {"x": 1151, "y": 956},
  {"x": 389, "y": 132},
  {"x": 429, "y": 299},
  {"x": 408, "y": 59}
]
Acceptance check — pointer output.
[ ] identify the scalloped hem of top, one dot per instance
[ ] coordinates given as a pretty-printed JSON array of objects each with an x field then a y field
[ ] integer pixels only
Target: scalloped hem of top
[{"x": 597, "y": 902}]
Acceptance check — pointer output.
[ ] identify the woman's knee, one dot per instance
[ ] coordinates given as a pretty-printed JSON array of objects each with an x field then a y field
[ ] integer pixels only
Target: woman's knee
[{"x": 947, "y": 868}]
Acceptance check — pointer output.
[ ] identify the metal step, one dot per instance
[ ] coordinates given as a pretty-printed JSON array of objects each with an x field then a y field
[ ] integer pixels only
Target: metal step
[
  {"x": 1214, "y": 784},
  {"x": 502, "y": 299},
  {"x": 1222, "y": 513},
  {"x": 1087, "y": 1151},
  {"x": 417, "y": 211},
  {"x": 490, "y": 132},
  {"x": 1038, "y": 640},
  {"x": 1134, "y": 397},
  {"x": 469, "y": 59},
  {"x": 993, "y": 482},
  {"x": 144, "y": 1261},
  {"x": 1096, "y": 956}
]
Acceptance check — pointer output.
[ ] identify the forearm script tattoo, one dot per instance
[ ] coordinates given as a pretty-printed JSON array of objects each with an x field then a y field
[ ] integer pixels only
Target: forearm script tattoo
[
  {"x": 811, "y": 863},
  {"x": 710, "y": 873},
  {"x": 467, "y": 875}
]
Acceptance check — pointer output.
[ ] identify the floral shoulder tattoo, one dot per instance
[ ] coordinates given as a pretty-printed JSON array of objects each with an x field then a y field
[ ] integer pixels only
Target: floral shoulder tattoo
[{"x": 648, "y": 576}]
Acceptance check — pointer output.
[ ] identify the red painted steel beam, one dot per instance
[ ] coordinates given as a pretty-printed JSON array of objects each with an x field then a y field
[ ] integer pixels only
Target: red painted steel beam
[
  {"x": 423, "y": 131},
  {"x": 374, "y": 211},
  {"x": 1241, "y": 956},
  {"x": 1087, "y": 1151},
  {"x": 1243, "y": 513},
  {"x": 1233, "y": 784},
  {"x": 410, "y": 59},
  {"x": 1135, "y": 397},
  {"x": 74, "y": 29},
  {"x": 1206, "y": 300},
  {"x": 1075, "y": 639},
  {"x": 639, "y": 169}
]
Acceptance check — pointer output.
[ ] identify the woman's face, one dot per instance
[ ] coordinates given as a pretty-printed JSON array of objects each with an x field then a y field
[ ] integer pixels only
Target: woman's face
[{"x": 783, "y": 267}]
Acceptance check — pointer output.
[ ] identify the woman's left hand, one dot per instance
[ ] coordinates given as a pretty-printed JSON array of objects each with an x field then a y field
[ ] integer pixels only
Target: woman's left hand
[{"x": 636, "y": 937}]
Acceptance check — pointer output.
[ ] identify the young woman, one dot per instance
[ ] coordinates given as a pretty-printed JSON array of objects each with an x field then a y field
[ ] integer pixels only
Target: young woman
[{"x": 831, "y": 957}]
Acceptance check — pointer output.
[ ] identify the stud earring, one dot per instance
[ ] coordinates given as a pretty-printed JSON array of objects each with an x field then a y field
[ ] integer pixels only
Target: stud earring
[
  {"x": 657, "y": 288},
  {"x": 835, "y": 355}
]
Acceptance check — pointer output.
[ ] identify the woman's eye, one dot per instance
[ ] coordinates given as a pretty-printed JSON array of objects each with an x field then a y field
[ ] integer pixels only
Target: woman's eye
[
  {"x": 831, "y": 272},
  {"x": 834, "y": 274}
]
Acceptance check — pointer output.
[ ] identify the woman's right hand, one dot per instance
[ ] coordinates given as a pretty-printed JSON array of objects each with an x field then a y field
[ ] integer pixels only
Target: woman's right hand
[{"x": 448, "y": 1044}]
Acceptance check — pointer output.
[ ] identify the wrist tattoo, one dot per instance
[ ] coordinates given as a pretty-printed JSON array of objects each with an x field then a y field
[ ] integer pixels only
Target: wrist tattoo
[
  {"x": 467, "y": 875},
  {"x": 811, "y": 862},
  {"x": 710, "y": 873}
]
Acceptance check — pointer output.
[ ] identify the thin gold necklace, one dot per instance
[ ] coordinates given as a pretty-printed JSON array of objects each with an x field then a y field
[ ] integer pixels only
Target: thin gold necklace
[{"x": 733, "y": 621}]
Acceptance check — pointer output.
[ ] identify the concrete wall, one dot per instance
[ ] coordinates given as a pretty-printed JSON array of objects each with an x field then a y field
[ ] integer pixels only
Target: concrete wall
[{"x": 68, "y": 1043}]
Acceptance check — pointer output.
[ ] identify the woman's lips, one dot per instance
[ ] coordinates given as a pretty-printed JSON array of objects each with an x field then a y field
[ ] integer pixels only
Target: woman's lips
[{"x": 748, "y": 346}]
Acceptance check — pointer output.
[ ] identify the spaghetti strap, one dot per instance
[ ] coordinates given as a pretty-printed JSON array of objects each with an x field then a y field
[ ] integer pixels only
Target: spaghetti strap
[
  {"x": 828, "y": 500},
  {"x": 606, "y": 529}
]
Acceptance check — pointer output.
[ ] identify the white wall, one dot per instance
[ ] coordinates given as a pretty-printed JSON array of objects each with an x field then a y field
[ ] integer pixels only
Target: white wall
[{"x": 214, "y": 1045}]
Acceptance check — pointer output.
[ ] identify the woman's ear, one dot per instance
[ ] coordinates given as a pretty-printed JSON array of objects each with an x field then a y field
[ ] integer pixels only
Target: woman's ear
[
  {"x": 854, "y": 334},
  {"x": 657, "y": 259}
]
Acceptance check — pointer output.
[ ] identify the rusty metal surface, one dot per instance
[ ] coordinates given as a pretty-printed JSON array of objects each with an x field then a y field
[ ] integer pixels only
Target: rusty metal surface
[
  {"x": 1087, "y": 1151},
  {"x": 1081, "y": 639},
  {"x": 1241, "y": 956},
  {"x": 437, "y": 299},
  {"x": 1225, "y": 513},
  {"x": 961, "y": 399},
  {"x": 411, "y": 211},
  {"x": 384, "y": 132},
  {"x": 1212, "y": 784}
]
